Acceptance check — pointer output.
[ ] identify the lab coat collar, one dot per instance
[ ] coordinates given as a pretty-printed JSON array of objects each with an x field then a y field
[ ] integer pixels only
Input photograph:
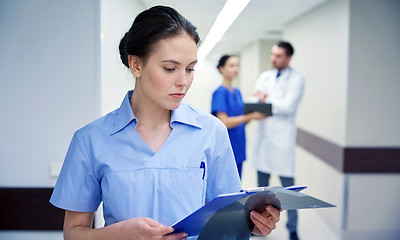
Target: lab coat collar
[{"x": 283, "y": 72}]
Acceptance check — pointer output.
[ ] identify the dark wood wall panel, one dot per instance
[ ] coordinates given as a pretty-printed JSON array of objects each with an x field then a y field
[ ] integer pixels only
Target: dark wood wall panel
[
  {"x": 331, "y": 153},
  {"x": 372, "y": 160},
  {"x": 351, "y": 159},
  {"x": 29, "y": 209}
]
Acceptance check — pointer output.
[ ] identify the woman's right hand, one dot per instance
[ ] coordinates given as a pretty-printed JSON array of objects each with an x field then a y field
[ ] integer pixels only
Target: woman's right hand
[
  {"x": 78, "y": 225},
  {"x": 257, "y": 115},
  {"x": 147, "y": 228}
]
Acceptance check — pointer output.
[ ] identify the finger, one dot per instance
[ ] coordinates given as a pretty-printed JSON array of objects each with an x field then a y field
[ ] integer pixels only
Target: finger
[
  {"x": 267, "y": 219},
  {"x": 175, "y": 236},
  {"x": 255, "y": 230},
  {"x": 160, "y": 230},
  {"x": 157, "y": 229},
  {"x": 273, "y": 212},
  {"x": 260, "y": 228}
]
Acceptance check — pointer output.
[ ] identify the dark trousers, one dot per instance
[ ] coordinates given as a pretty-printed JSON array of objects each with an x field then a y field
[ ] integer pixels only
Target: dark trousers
[{"x": 263, "y": 180}]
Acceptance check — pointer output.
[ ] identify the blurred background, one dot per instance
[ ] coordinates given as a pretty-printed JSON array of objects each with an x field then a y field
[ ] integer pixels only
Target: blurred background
[{"x": 60, "y": 69}]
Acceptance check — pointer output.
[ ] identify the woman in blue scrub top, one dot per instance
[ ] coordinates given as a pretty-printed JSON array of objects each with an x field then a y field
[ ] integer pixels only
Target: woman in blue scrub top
[
  {"x": 155, "y": 159},
  {"x": 227, "y": 105}
]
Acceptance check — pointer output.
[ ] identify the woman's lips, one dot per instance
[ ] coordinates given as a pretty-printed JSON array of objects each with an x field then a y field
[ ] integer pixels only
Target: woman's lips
[{"x": 177, "y": 95}]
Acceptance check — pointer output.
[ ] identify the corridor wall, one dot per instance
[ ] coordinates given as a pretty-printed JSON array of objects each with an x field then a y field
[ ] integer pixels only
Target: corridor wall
[{"x": 348, "y": 130}]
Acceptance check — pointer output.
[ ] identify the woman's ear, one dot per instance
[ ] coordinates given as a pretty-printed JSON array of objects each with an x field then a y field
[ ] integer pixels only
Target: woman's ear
[
  {"x": 135, "y": 64},
  {"x": 219, "y": 70}
]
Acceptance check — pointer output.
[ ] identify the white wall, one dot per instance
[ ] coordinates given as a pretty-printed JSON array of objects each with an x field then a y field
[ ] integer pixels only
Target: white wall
[
  {"x": 374, "y": 74},
  {"x": 325, "y": 183},
  {"x": 250, "y": 68},
  {"x": 321, "y": 42},
  {"x": 116, "y": 18},
  {"x": 372, "y": 118},
  {"x": 381, "y": 201},
  {"x": 49, "y": 66},
  {"x": 49, "y": 71},
  {"x": 320, "y": 39}
]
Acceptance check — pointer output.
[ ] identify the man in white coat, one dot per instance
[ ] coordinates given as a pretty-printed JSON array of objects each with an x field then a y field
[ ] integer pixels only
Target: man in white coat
[{"x": 275, "y": 139}]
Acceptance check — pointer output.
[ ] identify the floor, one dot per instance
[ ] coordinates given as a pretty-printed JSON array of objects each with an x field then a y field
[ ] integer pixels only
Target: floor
[{"x": 310, "y": 226}]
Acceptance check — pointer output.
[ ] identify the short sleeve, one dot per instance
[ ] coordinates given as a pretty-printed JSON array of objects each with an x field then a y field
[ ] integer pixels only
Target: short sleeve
[
  {"x": 77, "y": 188},
  {"x": 223, "y": 176},
  {"x": 218, "y": 103}
]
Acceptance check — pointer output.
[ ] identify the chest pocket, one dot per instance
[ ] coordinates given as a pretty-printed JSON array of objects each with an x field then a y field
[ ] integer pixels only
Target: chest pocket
[{"x": 166, "y": 194}]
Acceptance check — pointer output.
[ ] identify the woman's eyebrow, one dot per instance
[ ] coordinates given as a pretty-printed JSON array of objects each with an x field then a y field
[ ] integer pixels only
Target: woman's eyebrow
[
  {"x": 171, "y": 61},
  {"x": 178, "y": 63}
]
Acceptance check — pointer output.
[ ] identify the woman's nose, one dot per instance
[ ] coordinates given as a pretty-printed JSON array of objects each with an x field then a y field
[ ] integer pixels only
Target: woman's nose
[{"x": 182, "y": 79}]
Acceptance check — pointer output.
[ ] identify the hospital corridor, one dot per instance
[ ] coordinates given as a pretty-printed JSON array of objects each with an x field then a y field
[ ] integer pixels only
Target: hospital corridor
[{"x": 77, "y": 78}]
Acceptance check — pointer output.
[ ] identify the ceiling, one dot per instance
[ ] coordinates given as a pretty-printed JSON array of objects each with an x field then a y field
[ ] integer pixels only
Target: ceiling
[{"x": 261, "y": 19}]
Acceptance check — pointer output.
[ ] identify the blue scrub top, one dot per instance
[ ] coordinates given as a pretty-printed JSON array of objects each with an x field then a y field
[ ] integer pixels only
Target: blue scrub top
[
  {"x": 108, "y": 161},
  {"x": 231, "y": 103}
]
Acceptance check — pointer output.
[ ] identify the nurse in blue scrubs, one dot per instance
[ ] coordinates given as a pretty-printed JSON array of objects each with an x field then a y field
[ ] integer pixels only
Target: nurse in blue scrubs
[
  {"x": 154, "y": 160},
  {"x": 227, "y": 105}
]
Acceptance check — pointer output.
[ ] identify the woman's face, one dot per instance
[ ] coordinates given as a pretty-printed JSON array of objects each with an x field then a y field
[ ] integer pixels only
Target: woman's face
[
  {"x": 167, "y": 74},
  {"x": 231, "y": 68}
]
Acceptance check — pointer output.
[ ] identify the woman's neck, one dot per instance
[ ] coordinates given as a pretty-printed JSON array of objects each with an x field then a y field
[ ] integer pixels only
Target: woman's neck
[
  {"x": 153, "y": 121},
  {"x": 149, "y": 113},
  {"x": 227, "y": 82}
]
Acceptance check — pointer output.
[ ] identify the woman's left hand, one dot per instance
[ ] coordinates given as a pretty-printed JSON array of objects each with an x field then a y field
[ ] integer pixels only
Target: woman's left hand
[{"x": 265, "y": 222}]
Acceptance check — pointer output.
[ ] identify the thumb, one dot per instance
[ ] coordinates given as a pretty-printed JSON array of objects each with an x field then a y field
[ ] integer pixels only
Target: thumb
[
  {"x": 161, "y": 230},
  {"x": 157, "y": 228}
]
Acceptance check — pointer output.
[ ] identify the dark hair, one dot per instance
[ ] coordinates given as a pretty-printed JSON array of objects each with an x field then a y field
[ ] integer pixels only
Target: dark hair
[
  {"x": 223, "y": 60},
  {"x": 287, "y": 46},
  {"x": 150, "y": 27}
]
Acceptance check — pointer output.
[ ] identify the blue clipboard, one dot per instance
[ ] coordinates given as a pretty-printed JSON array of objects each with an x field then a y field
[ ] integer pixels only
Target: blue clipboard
[
  {"x": 194, "y": 223},
  {"x": 238, "y": 205}
]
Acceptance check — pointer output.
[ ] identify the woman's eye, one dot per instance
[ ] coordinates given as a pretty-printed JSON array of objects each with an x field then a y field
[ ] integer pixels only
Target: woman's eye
[
  {"x": 190, "y": 69},
  {"x": 169, "y": 69}
]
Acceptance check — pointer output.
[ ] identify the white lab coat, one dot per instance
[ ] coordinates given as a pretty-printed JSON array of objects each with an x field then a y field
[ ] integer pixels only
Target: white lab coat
[{"x": 275, "y": 137}]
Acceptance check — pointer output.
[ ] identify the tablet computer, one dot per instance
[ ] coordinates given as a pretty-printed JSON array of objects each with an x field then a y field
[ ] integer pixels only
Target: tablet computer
[{"x": 265, "y": 108}]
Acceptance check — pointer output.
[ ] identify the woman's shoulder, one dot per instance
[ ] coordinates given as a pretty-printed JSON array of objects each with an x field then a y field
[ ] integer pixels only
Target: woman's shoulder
[
  {"x": 102, "y": 125},
  {"x": 221, "y": 90},
  {"x": 237, "y": 90}
]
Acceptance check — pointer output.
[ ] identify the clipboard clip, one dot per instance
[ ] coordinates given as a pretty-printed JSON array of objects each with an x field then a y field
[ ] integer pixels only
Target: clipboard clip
[
  {"x": 254, "y": 190},
  {"x": 296, "y": 188}
]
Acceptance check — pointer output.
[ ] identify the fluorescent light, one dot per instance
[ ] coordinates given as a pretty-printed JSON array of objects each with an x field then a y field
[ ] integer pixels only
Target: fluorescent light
[{"x": 225, "y": 18}]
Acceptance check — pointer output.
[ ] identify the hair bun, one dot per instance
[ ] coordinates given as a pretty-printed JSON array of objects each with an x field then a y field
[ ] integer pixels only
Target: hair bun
[
  {"x": 150, "y": 27},
  {"x": 122, "y": 52}
]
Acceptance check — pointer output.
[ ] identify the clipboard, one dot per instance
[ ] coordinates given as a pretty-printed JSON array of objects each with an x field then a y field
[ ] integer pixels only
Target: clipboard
[
  {"x": 265, "y": 108},
  {"x": 232, "y": 211}
]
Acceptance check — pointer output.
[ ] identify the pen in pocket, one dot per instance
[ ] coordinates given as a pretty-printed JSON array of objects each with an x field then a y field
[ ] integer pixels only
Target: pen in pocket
[{"x": 203, "y": 166}]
